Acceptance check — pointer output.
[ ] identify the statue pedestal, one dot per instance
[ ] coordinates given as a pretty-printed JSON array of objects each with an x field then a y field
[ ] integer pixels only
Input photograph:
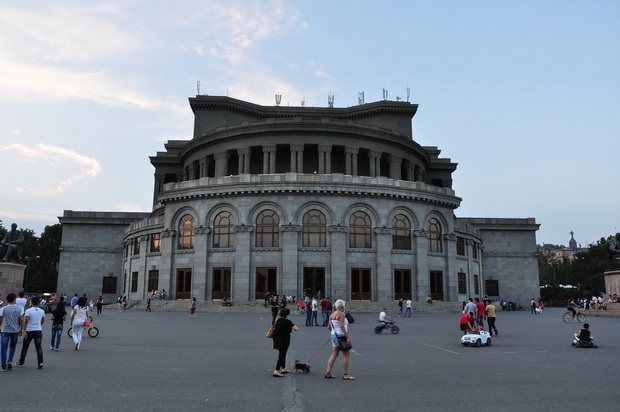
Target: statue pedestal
[
  {"x": 612, "y": 282},
  {"x": 11, "y": 278}
]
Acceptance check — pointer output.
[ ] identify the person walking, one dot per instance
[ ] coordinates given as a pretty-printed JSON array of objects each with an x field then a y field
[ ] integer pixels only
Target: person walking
[
  {"x": 79, "y": 314},
  {"x": 400, "y": 307},
  {"x": 338, "y": 326},
  {"x": 99, "y": 305},
  {"x": 308, "y": 304},
  {"x": 315, "y": 311},
  {"x": 490, "y": 314},
  {"x": 192, "y": 308},
  {"x": 275, "y": 307},
  {"x": 148, "y": 304},
  {"x": 12, "y": 320},
  {"x": 533, "y": 306},
  {"x": 409, "y": 308},
  {"x": 282, "y": 340},
  {"x": 33, "y": 330},
  {"x": 59, "y": 315}
]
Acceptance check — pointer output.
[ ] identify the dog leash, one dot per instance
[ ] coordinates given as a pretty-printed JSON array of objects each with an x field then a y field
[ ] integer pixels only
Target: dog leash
[{"x": 317, "y": 352}]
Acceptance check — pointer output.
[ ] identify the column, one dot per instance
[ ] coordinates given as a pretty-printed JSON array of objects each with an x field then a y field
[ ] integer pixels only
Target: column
[
  {"x": 325, "y": 158},
  {"x": 290, "y": 247},
  {"x": 450, "y": 285},
  {"x": 297, "y": 151},
  {"x": 221, "y": 163},
  {"x": 336, "y": 286},
  {"x": 375, "y": 163},
  {"x": 269, "y": 159},
  {"x": 244, "y": 160},
  {"x": 243, "y": 288},
  {"x": 351, "y": 160},
  {"x": 422, "y": 286},
  {"x": 382, "y": 280},
  {"x": 395, "y": 163}
]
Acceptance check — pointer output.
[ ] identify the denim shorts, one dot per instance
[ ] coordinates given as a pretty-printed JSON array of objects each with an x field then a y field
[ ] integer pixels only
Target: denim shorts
[{"x": 334, "y": 340}]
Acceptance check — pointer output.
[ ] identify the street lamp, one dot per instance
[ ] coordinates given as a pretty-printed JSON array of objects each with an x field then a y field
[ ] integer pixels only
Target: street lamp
[{"x": 27, "y": 271}]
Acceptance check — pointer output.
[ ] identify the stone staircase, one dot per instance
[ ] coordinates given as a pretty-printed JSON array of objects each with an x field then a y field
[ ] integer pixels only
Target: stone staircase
[
  {"x": 258, "y": 307},
  {"x": 613, "y": 311}
]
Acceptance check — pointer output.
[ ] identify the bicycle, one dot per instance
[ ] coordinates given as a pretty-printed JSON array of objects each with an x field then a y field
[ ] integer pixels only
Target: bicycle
[
  {"x": 568, "y": 316},
  {"x": 93, "y": 331},
  {"x": 299, "y": 311}
]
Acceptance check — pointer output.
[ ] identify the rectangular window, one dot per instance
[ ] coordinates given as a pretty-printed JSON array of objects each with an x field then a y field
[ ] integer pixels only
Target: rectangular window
[
  {"x": 436, "y": 278},
  {"x": 491, "y": 287},
  {"x": 221, "y": 283},
  {"x": 474, "y": 250},
  {"x": 360, "y": 284},
  {"x": 134, "y": 281},
  {"x": 266, "y": 282},
  {"x": 109, "y": 285},
  {"x": 155, "y": 242},
  {"x": 460, "y": 246},
  {"x": 136, "y": 247},
  {"x": 402, "y": 284},
  {"x": 462, "y": 283},
  {"x": 476, "y": 285},
  {"x": 153, "y": 280}
]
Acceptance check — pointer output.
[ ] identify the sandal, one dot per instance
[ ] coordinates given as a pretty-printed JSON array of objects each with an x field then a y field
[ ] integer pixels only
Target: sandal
[
  {"x": 277, "y": 374},
  {"x": 329, "y": 376},
  {"x": 348, "y": 377}
]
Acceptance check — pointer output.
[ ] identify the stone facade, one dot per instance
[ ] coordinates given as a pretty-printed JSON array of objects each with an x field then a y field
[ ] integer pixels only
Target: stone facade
[{"x": 299, "y": 200}]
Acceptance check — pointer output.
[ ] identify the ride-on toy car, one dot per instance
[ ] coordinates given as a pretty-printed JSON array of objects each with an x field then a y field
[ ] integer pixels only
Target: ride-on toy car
[
  {"x": 584, "y": 343},
  {"x": 476, "y": 338},
  {"x": 391, "y": 325}
]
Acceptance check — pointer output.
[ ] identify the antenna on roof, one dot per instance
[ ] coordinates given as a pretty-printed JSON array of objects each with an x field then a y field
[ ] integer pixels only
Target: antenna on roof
[
  {"x": 330, "y": 100},
  {"x": 408, "y": 94},
  {"x": 360, "y": 98},
  {"x": 385, "y": 94},
  {"x": 198, "y": 87},
  {"x": 278, "y": 99},
  {"x": 303, "y": 103}
]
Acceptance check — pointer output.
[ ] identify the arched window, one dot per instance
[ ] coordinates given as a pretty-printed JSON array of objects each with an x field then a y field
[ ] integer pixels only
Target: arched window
[
  {"x": 267, "y": 229},
  {"x": 434, "y": 229},
  {"x": 186, "y": 232},
  {"x": 401, "y": 237},
  {"x": 360, "y": 230},
  {"x": 223, "y": 230},
  {"x": 314, "y": 230}
]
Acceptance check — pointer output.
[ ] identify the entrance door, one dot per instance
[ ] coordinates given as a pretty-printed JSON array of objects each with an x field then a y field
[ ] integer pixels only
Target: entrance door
[
  {"x": 314, "y": 281},
  {"x": 221, "y": 283},
  {"x": 184, "y": 284},
  {"x": 266, "y": 282},
  {"x": 436, "y": 285},
  {"x": 402, "y": 284},
  {"x": 360, "y": 284}
]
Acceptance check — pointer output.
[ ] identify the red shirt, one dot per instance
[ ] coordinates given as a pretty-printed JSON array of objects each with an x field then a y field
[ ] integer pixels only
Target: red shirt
[
  {"x": 465, "y": 319},
  {"x": 480, "y": 307}
]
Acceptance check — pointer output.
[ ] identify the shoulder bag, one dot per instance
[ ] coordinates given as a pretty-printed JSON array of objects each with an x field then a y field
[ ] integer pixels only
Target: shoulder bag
[{"x": 343, "y": 344}]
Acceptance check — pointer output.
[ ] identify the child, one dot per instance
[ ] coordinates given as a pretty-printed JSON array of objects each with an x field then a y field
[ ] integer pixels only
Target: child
[{"x": 584, "y": 334}]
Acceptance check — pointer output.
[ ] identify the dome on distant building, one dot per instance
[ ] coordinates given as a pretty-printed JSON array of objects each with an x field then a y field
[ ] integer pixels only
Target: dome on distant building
[{"x": 572, "y": 243}]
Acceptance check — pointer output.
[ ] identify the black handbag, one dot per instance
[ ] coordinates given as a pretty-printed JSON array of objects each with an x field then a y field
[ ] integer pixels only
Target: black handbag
[{"x": 343, "y": 344}]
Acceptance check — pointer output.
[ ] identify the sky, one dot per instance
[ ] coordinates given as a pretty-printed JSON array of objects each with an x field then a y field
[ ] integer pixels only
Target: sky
[{"x": 524, "y": 96}]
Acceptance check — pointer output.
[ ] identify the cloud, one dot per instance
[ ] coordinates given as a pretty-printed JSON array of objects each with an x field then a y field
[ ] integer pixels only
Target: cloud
[
  {"x": 49, "y": 158},
  {"x": 128, "y": 207}
]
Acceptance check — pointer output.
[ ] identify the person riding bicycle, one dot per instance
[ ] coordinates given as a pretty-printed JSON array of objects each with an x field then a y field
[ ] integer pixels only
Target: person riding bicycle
[
  {"x": 571, "y": 308},
  {"x": 385, "y": 319},
  {"x": 584, "y": 335}
]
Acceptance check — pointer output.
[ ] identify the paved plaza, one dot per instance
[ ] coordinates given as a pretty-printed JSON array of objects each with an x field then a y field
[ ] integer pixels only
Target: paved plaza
[{"x": 222, "y": 362}]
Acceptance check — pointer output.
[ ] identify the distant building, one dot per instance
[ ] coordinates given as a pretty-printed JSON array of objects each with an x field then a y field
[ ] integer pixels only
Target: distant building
[
  {"x": 568, "y": 254},
  {"x": 300, "y": 200}
]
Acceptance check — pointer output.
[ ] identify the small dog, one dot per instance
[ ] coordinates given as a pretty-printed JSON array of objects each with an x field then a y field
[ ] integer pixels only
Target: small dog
[{"x": 304, "y": 367}]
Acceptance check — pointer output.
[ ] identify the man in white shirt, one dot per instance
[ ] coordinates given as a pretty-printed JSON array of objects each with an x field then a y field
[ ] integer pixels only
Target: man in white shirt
[
  {"x": 315, "y": 308},
  {"x": 409, "y": 308},
  {"x": 21, "y": 300},
  {"x": 33, "y": 330}
]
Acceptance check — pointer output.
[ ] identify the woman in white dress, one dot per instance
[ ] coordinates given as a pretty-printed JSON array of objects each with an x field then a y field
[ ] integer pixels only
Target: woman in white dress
[{"x": 79, "y": 314}]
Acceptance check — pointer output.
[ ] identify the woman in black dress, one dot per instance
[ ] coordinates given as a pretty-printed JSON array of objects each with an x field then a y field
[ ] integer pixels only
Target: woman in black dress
[
  {"x": 281, "y": 340},
  {"x": 275, "y": 307}
]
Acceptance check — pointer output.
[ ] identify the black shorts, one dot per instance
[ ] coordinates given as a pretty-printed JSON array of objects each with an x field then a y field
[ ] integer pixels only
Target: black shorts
[{"x": 464, "y": 327}]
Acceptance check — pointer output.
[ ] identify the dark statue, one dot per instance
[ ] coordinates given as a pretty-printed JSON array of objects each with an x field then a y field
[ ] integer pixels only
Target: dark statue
[
  {"x": 11, "y": 247},
  {"x": 613, "y": 245}
]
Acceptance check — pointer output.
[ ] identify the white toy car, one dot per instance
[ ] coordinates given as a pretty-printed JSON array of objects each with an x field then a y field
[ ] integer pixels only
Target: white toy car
[{"x": 476, "y": 338}]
